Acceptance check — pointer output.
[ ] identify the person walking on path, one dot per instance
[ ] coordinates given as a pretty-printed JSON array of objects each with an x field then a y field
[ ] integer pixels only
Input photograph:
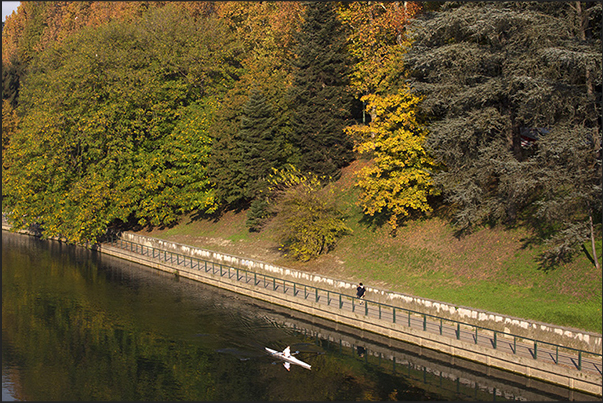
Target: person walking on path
[{"x": 360, "y": 291}]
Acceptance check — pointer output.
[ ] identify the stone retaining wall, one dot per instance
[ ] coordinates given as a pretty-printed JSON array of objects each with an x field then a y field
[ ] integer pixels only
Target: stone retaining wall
[{"x": 569, "y": 337}]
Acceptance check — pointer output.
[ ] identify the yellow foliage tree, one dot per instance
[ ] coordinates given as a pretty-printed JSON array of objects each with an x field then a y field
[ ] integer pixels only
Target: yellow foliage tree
[
  {"x": 308, "y": 221},
  {"x": 397, "y": 179}
]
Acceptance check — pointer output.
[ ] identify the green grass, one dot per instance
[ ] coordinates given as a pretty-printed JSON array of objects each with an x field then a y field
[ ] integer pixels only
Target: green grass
[{"x": 568, "y": 296}]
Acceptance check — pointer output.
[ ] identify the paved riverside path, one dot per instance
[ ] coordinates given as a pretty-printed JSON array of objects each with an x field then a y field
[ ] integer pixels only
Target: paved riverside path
[{"x": 367, "y": 309}]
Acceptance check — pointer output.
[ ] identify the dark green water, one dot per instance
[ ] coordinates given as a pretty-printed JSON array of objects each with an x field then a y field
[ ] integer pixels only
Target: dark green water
[{"x": 80, "y": 326}]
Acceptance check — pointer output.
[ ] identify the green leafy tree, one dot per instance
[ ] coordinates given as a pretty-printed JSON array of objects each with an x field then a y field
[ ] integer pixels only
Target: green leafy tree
[
  {"x": 11, "y": 81},
  {"x": 10, "y": 121},
  {"x": 259, "y": 147},
  {"x": 320, "y": 96},
  {"x": 114, "y": 126},
  {"x": 492, "y": 72}
]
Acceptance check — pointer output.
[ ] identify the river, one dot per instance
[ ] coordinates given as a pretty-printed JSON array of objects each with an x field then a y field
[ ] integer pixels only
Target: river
[{"x": 81, "y": 326}]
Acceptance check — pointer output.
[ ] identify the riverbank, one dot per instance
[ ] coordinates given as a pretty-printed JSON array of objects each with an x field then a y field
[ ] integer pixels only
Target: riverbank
[
  {"x": 493, "y": 269},
  {"x": 519, "y": 347},
  {"x": 455, "y": 337}
]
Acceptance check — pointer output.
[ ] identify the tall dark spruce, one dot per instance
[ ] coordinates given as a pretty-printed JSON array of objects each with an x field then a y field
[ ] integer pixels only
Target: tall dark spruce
[
  {"x": 262, "y": 144},
  {"x": 320, "y": 96},
  {"x": 513, "y": 91}
]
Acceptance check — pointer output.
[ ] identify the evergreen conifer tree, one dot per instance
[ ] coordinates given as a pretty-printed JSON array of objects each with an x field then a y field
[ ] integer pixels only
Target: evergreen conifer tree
[
  {"x": 513, "y": 90},
  {"x": 320, "y": 96},
  {"x": 262, "y": 145},
  {"x": 244, "y": 156}
]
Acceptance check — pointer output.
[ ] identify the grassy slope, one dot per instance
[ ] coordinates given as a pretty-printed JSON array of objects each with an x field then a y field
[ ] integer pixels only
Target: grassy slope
[{"x": 490, "y": 269}]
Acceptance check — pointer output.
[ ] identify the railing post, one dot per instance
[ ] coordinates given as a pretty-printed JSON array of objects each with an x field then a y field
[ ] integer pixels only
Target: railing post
[
  {"x": 394, "y": 315},
  {"x": 366, "y": 309},
  {"x": 495, "y": 339},
  {"x": 294, "y": 290},
  {"x": 340, "y": 302},
  {"x": 316, "y": 289},
  {"x": 475, "y": 334},
  {"x": 458, "y": 331},
  {"x": 255, "y": 279},
  {"x": 408, "y": 318},
  {"x": 557, "y": 355},
  {"x": 535, "y": 350},
  {"x": 514, "y": 344},
  {"x": 328, "y": 298},
  {"x": 379, "y": 311},
  {"x": 440, "y": 326},
  {"x": 274, "y": 284},
  {"x": 580, "y": 360},
  {"x": 424, "y": 322}
]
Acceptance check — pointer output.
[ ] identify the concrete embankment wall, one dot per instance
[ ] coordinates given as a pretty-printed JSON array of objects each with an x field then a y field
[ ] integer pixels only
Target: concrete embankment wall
[{"x": 569, "y": 337}]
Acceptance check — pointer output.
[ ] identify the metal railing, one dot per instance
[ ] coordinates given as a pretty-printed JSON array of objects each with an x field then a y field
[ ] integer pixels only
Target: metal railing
[{"x": 431, "y": 323}]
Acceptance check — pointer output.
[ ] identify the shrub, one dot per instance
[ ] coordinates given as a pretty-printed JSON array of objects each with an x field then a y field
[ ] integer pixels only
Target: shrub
[{"x": 308, "y": 222}]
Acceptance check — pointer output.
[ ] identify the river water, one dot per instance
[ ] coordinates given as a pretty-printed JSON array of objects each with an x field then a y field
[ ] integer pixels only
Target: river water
[{"x": 81, "y": 326}]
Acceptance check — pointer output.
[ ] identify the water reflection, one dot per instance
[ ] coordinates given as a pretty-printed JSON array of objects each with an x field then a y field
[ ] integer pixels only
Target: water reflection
[{"x": 77, "y": 325}]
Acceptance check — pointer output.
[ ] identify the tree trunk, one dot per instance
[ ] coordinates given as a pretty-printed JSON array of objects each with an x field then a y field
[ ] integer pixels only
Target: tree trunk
[
  {"x": 583, "y": 24},
  {"x": 592, "y": 241}
]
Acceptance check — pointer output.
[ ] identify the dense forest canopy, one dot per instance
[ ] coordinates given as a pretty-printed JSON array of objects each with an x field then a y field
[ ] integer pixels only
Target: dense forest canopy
[{"x": 134, "y": 113}]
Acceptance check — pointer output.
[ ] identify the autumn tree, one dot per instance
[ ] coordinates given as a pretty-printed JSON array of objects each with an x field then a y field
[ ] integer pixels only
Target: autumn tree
[
  {"x": 39, "y": 25},
  {"x": 514, "y": 89},
  {"x": 376, "y": 39},
  {"x": 115, "y": 126},
  {"x": 398, "y": 179},
  {"x": 320, "y": 96}
]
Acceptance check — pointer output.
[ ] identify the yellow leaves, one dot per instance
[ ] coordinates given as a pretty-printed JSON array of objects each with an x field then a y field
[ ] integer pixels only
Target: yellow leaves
[{"x": 398, "y": 180}]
